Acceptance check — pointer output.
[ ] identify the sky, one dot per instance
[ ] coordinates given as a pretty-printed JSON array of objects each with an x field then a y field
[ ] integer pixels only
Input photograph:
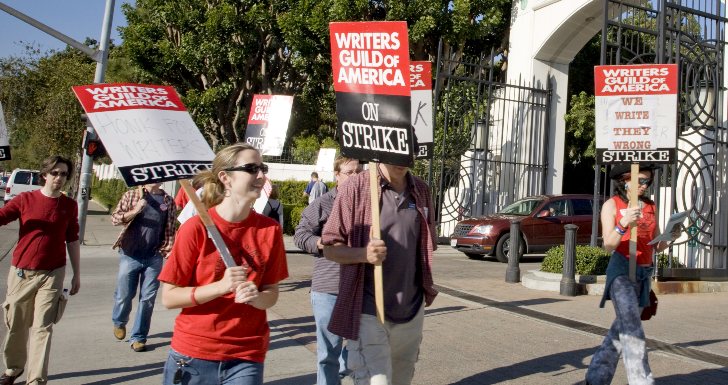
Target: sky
[{"x": 77, "y": 19}]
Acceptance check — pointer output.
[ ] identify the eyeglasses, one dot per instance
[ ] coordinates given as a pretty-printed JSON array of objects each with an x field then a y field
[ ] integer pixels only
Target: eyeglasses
[
  {"x": 250, "y": 168},
  {"x": 59, "y": 173},
  {"x": 642, "y": 181}
]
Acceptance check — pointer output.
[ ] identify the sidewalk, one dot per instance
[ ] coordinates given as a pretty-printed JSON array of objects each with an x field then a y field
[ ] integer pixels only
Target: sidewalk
[{"x": 480, "y": 329}]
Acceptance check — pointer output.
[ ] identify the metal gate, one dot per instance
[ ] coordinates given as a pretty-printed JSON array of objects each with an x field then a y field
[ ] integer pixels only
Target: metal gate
[
  {"x": 692, "y": 35},
  {"x": 493, "y": 145}
]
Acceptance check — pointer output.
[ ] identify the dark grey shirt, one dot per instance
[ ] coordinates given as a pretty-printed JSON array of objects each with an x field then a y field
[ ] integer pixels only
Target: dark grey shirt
[
  {"x": 400, "y": 226},
  {"x": 325, "y": 272},
  {"x": 146, "y": 231}
]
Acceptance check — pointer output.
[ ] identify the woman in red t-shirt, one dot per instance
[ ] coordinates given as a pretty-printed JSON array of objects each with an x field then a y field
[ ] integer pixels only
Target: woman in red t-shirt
[
  {"x": 222, "y": 333},
  {"x": 626, "y": 336}
]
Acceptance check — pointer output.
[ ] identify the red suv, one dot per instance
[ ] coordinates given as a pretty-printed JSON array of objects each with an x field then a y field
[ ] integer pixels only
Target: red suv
[{"x": 542, "y": 218}]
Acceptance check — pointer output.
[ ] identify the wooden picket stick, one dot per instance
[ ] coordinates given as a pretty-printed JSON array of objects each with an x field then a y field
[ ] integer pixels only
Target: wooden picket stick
[
  {"x": 212, "y": 231},
  {"x": 633, "y": 202},
  {"x": 376, "y": 233}
]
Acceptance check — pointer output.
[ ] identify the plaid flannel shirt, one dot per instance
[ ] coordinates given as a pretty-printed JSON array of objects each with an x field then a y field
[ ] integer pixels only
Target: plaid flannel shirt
[
  {"x": 349, "y": 223},
  {"x": 127, "y": 203}
]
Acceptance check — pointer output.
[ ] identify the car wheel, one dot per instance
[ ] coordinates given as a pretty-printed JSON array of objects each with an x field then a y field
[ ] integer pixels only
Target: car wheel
[
  {"x": 474, "y": 256},
  {"x": 503, "y": 247}
]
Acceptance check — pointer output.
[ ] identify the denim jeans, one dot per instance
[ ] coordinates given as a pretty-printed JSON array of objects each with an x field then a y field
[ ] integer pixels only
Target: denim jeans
[
  {"x": 196, "y": 371},
  {"x": 133, "y": 272},
  {"x": 330, "y": 357}
]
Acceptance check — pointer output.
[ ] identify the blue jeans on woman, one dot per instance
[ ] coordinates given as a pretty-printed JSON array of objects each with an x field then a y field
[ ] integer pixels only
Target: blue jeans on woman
[
  {"x": 330, "y": 357},
  {"x": 133, "y": 272},
  {"x": 195, "y": 371}
]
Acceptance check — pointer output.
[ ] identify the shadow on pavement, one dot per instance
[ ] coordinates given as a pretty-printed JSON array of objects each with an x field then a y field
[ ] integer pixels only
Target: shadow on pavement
[
  {"x": 556, "y": 363},
  {"x": 298, "y": 380},
  {"x": 703, "y": 377},
  {"x": 293, "y": 286},
  {"x": 144, "y": 371}
]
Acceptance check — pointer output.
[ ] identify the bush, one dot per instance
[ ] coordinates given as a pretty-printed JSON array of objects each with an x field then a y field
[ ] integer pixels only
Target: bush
[
  {"x": 662, "y": 259},
  {"x": 108, "y": 192},
  {"x": 292, "y": 216},
  {"x": 589, "y": 260}
]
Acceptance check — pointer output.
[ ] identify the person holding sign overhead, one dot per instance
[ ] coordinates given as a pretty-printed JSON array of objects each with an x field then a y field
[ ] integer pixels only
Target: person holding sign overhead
[
  {"x": 148, "y": 216},
  {"x": 382, "y": 353},
  {"x": 626, "y": 336},
  {"x": 222, "y": 335}
]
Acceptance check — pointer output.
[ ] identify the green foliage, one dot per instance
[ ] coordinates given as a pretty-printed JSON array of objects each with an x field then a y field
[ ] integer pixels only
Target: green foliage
[
  {"x": 580, "y": 135},
  {"x": 306, "y": 148},
  {"x": 218, "y": 55},
  {"x": 108, "y": 192},
  {"x": 662, "y": 261},
  {"x": 292, "y": 216},
  {"x": 589, "y": 260}
]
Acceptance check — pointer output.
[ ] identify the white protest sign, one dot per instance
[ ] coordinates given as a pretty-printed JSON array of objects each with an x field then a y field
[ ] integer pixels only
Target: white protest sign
[
  {"x": 268, "y": 123},
  {"x": 636, "y": 113},
  {"x": 4, "y": 138},
  {"x": 421, "y": 84},
  {"x": 325, "y": 160},
  {"x": 146, "y": 130}
]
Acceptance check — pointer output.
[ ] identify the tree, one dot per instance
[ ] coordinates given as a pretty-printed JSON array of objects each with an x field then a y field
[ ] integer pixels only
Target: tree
[{"x": 219, "y": 53}]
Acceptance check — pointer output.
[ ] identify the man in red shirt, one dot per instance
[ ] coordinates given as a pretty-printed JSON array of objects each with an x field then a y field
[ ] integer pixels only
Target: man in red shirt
[{"x": 48, "y": 227}]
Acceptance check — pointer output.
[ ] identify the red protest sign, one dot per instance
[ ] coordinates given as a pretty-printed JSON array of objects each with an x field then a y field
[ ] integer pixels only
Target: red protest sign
[{"x": 370, "y": 63}]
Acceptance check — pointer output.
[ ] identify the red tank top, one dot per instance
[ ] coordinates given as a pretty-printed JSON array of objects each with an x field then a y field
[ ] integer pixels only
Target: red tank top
[{"x": 645, "y": 231}]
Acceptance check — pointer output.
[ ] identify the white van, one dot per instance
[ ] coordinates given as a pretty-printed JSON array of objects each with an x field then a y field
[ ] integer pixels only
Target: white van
[{"x": 21, "y": 180}]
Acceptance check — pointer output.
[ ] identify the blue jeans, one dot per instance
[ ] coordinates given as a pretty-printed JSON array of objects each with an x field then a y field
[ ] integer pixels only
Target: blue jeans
[
  {"x": 133, "y": 272},
  {"x": 196, "y": 371},
  {"x": 330, "y": 357}
]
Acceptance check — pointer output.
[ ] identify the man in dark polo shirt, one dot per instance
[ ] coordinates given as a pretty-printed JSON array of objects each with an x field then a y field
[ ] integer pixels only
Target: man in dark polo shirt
[
  {"x": 382, "y": 353},
  {"x": 325, "y": 280}
]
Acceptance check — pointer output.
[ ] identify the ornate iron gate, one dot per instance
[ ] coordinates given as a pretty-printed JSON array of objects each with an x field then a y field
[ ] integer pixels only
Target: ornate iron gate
[
  {"x": 492, "y": 148},
  {"x": 691, "y": 34}
]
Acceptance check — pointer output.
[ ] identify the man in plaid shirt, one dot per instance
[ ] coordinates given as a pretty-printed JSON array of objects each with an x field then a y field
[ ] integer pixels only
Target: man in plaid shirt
[
  {"x": 148, "y": 217},
  {"x": 382, "y": 353}
]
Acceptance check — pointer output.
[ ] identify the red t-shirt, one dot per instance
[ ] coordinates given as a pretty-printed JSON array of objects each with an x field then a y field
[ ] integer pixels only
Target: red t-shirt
[
  {"x": 181, "y": 199},
  {"x": 221, "y": 329},
  {"x": 645, "y": 231},
  {"x": 46, "y": 225}
]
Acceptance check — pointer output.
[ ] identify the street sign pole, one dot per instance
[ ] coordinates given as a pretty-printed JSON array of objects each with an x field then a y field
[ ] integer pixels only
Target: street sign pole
[{"x": 84, "y": 184}]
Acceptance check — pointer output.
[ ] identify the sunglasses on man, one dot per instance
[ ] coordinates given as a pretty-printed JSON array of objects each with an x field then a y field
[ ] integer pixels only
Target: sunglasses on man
[
  {"x": 250, "y": 168},
  {"x": 58, "y": 173}
]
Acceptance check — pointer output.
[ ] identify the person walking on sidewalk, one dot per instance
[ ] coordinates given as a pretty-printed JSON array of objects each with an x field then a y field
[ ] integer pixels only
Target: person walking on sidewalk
[
  {"x": 148, "y": 215},
  {"x": 34, "y": 300},
  {"x": 325, "y": 281},
  {"x": 382, "y": 353},
  {"x": 626, "y": 336},
  {"x": 222, "y": 334},
  {"x": 315, "y": 188}
]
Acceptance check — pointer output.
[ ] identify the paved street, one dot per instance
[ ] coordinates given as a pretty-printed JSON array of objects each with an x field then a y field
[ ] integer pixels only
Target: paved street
[{"x": 480, "y": 330}]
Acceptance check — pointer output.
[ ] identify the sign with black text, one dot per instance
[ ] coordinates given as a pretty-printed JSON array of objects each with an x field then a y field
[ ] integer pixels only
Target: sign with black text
[
  {"x": 146, "y": 130},
  {"x": 421, "y": 83},
  {"x": 371, "y": 73},
  {"x": 4, "y": 137},
  {"x": 636, "y": 113},
  {"x": 268, "y": 123}
]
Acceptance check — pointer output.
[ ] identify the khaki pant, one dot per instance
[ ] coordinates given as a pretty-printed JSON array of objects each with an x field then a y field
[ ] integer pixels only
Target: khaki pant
[
  {"x": 30, "y": 308},
  {"x": 385, "y": 354}
]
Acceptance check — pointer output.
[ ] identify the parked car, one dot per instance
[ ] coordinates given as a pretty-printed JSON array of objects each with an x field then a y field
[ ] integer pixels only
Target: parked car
[
  {"x": 542, "y": 223},
  {"x": 3, "y": 182},
  {"x": 21, "y": 180}
]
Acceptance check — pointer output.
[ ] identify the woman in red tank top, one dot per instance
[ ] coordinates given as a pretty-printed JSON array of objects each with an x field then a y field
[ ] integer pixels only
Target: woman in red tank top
[{"x": 626, "y": 336}]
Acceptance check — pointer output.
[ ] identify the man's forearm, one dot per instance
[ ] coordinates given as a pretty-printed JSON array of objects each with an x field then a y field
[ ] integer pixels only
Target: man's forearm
[
  {"x": 74, "y": 254},
  {"x": 346, "y": 255}
]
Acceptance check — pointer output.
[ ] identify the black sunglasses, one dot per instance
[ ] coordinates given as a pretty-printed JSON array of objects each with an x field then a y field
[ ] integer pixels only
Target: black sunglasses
[
  {"x": 250, "y": 168},
  {"x": 57, "y": 173}
]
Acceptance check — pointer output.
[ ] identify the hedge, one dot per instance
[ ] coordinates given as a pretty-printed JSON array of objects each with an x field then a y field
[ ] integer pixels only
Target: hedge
[{"x": 591, "y": 260}]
